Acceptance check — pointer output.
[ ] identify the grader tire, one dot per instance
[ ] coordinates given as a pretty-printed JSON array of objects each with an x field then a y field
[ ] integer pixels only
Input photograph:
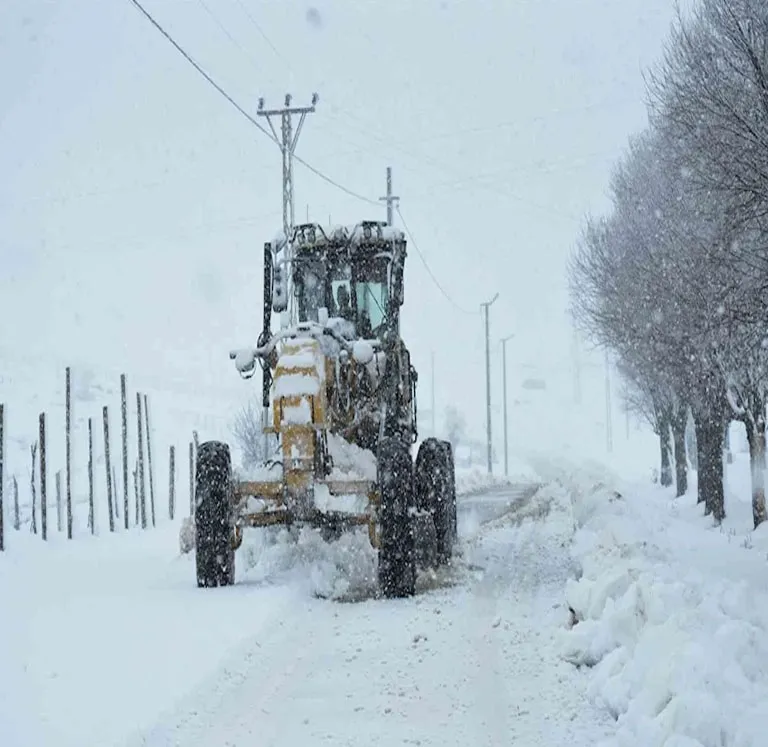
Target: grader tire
[
  {"x": 397, "y": 565},
  {"x": 436, "y": 493},
  {"x": 214, "y": 551}
]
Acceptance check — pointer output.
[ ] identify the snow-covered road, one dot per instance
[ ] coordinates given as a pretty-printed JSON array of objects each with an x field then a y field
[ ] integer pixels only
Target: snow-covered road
[{"x": 130, "y": 653}]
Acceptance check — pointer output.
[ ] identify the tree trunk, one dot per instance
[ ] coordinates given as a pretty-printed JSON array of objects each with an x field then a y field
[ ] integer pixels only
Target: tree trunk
[
  {"x": 665, "y": 445},
  {"x": 681, "y": 462},
  {"x": 710, "y": 435},
  {"x": 756, "y": 439}
]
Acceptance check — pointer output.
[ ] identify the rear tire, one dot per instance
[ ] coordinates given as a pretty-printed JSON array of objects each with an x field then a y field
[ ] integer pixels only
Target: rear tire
[
  {"x": 214, "y": 551},
  {"x": 436, "y": 493},
  {"x": 397, "y": 566}
]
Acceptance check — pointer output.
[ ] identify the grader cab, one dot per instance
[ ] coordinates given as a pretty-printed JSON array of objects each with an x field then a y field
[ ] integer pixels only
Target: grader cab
[{"x": 339, "y": 399}]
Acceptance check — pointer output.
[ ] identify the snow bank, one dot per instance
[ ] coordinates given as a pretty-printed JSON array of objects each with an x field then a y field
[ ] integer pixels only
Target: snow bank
[
  {"x": 477, "y": 480},
  {"x": 670, "y": 615}
]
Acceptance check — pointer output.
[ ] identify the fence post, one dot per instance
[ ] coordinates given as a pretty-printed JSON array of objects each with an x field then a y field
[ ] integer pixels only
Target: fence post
[
  {"x": 2, "y": 465},
  {"x": 108, "y": 468},
  {"x": 59, "y": 507},
  {"x": 149, "y": 462},
  {"x": 124, "y": 412},
  {"x": 116, "y": 492},
  {"x": 136, "y": 490},
  {"x": 33, "y": 450},
  {"x": 43, "y": 481},
  {"x": 69, "y": 453},
  {"x": 172, "y": 481},
  {"x": 16, "y": 514},
  {"x": 91, "y": 507},
  {"x": 142, "y": 493}
]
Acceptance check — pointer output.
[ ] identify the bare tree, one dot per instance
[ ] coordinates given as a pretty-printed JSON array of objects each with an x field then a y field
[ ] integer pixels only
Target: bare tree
[{"x": 247, "y": 430}]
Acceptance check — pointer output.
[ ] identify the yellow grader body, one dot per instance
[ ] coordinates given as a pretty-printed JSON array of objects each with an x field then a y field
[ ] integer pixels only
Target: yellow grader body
[{"x": 300, "y": 417}]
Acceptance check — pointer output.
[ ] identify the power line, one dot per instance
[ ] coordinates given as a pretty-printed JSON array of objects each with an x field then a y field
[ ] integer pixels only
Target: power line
[
  {"x": 428, "y": 269},
  {"x": 240, "y": 109}
]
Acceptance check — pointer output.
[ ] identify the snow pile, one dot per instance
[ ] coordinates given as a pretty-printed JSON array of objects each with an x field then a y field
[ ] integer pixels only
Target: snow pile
[
  {"x": 337, "y": 569},
  {"x": 672, "y": 617},
  {"x": 474, "y": 480},
  {"x": 350, "y": 461}
]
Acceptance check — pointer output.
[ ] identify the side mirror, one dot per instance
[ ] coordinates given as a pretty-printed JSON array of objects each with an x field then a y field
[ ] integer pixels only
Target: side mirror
[{"x": 279, "y": 289}]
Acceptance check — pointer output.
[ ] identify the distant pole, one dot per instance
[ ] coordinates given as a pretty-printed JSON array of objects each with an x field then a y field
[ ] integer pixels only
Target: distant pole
[
  {"x": 608, "y": 412},
  {"x": 389, "y": 198},
  {"x": 487, "y": 305},
  {"x": 43, "y": 480},
  {"x": 172, "y": 482},
  {"x": 149, "y": 461},
  {"x": 434, "y": 430},
  {"x": 91, "y": 507},
  {"x": 108, "y": 468},
  {"x": 2, "y": 465},
  {"x": 124, "y": 412},
  {"x": 69, "y": 453},
  {"x": 140, "y": 465},
  {"x": 504, "y": 388}
]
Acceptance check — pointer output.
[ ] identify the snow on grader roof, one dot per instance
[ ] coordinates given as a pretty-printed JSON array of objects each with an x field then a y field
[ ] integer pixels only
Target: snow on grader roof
[{"x": 359, "y": 234}]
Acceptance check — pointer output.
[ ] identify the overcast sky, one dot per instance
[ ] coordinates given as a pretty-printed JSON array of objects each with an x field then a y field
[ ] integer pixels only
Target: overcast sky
[{"x": 134, "y": 201}]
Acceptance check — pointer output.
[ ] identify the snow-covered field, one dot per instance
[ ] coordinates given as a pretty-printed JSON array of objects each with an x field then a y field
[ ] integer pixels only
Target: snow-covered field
[{"x": 107, "y": 641}]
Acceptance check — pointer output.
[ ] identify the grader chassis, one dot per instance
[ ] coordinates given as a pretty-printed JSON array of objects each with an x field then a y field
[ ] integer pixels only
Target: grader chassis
[{"x": 338, "y": 370}]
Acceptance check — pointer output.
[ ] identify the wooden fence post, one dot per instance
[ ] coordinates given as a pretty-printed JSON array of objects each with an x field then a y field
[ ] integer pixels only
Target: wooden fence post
[
  {"x": 142, "y": 493},
  {"x": 172, "y": 482},
  {"x": 116, "y": 491},
  {"x": 59, "y": 507},
  {"x": 149, "y": 462},
  {"x": 16, "y": 514},
  {"x": 124, "y": 412},
  {"x": 33, "y": 525},
  {"x": 69, "y": 453},
  {"x": 43, "y": 481},
  {"x": 136, "y": 490},
  {"x": 108, "y": 468},
  {"x": 91, "y": 507}
]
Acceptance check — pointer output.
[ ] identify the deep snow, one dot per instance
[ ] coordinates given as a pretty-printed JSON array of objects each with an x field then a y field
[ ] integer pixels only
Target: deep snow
[{"x": 107, "y": 641}]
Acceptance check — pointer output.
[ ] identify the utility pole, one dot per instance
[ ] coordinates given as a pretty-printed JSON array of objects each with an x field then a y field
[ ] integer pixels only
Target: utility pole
[
  {"x": 487, "y": 306},
  {"x": 504, "y": 375},
  {"x": 608, "y": 413},
  {"x": 287, "y": 141},
  {"x": 390, "y": 199}
]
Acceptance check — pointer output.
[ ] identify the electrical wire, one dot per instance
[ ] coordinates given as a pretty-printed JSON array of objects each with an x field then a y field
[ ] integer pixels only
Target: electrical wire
[
  {"x": 429, "y": 270},
  {"x": 242, "y": 111}
]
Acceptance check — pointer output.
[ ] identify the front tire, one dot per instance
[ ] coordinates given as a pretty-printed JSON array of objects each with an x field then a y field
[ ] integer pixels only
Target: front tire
[
  {"x": 397, "y": 566},
  {"x": 214, "y": 550},
  {"x": 436, "y": 493}
]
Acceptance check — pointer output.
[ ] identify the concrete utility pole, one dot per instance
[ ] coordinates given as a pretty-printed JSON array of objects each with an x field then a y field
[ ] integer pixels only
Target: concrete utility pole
[
  {"x": 390, "y": 199},
  {"x": 487, "y": 305},
  {"x": 287, "y": 141},
  {"x": 504, "y": 374}
]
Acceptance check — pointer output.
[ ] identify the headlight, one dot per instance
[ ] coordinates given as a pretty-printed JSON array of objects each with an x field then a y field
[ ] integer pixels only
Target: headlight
[{"x": 367, "y": 232}]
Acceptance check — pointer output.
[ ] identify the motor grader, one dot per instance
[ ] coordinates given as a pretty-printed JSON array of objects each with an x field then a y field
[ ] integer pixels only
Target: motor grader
[{"x": 335, "y": 373}]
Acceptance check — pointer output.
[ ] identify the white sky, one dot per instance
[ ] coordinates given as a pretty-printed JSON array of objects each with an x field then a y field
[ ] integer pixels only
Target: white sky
[{"x": 135, "y": 201}]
